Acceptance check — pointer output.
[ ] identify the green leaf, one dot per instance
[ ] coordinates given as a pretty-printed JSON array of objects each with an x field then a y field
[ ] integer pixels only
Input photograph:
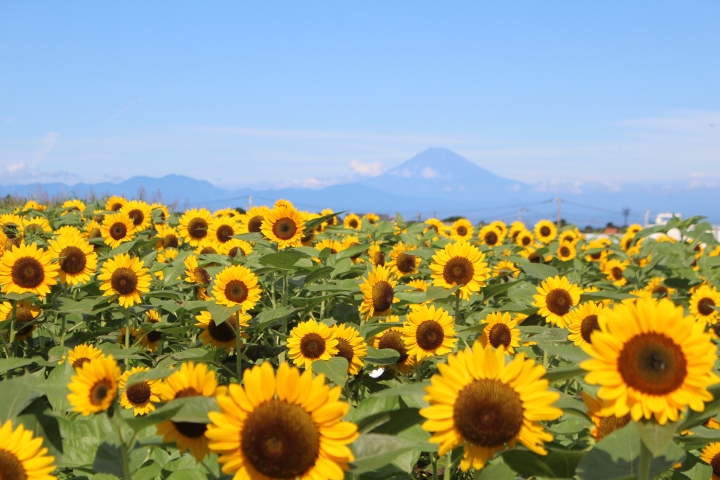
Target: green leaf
[
  {"x": 317, "y": 274},
  {"x": 194, "y": 409},
  {"x": 341, "y": 266},
  {"x": 7, "y": 364},
  {"x": 335, "y": 369},
  {"x": 373, "y": 450},
  {"x": 556, "y": 464},
  {"x": 372, "y": 329},
  {"x": 16, "y": 394},
  {"x": 605, "y": 295},
  {"x": 352, "y": 251},
  {"x": 220, "y": 313},
  {"x": 538, "y": 270},
  {"x": 571, "y": 353},
  {"x": 162, "y": 414},
  {"x": 492, "y": 290},
  {"x": 84, "y": 306},
  {"x": 108, "y": 459},
  {"x": 284, "y": 260},
  {"x": 152, "y": 374},
  {"x": 56, "y": 386},
  {"x": 562, "y": 373},
  {"x": 81, "y": 438},
  {"x": 267, "y": 317},
  {"x": 311, "y": 224},
  {"x": 498, "y": 471},
  {"x": 656, "y": 437},
  {"x": 42, "y": 423},
  {"x": 197, "y": 354},
  {"x": 384, "y": 356}
]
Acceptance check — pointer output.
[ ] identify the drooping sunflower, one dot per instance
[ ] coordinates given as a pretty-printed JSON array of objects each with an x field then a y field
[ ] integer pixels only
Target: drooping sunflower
[
  {"x": 524, "y": 239},
  {"x": 254, "y": 218},
  {"x": 428, "y": 332},
  {"x": 614, "y": 271},
  {"x": 223, "y": 229},
  {"x": 73, "y": 205},
  {"x": 236, "y": 285},
  {"x": 139, "y": 212},
  {"x": 25, "y": 314},
  {"x": 194, "y": 273},
  {"x": 402, "y": 262},
  {"x": 140, "y": 396},
  {"x": 190, "y": 380},
  {"x": 462, "y": 229},
  {"x": 556, "y": 297},
  {"x": 604, "y": 425},
  {"x": 460, "y": 264},
  {"x": 378, "y": 293},
  {"x": 566, "y": 252},
  {"x": 22, "y": 456},
  {"x": 115, "y": 203},
  {"x": 284, "y": 425},
  {"x": 222, "y": 335},
  {"x": 392, "y": 338},
  {"x": 236, "y": 248},
  {"x": 371, "y": 218},
  {"x": 91, "y": 230},
  {"x": 376, "y": 255},
  {"x": 505, "y": 269},
  {"x": 285, "y": 226},
  {"x": 117, "y": 229},
  {"x": 583, "y": 322},
  {"x": 500, "y": 332},
  {"x": 702, "y": 302},
  {"x": 651, "y": 360},
  {"x": 490, "y": 236},
  {"x": 28, "y": 269},
  {"x": 310, "y": 341},
  {"x": 711, "y": 456},
  {"x": 151, "y": 339},
  {"x": 352, "y": 221},
  {"x": 94, "y": 386},
  {"x": 82, "y": 354},
  {"x": 76, "y": 258},
  {"x": 194, "y": 225},
  {"x": 545, "y": 231},
  {"x": 480, "y": 401},
  {"x": 125, "y": 277},
  {"x": 351, "y": 346}
]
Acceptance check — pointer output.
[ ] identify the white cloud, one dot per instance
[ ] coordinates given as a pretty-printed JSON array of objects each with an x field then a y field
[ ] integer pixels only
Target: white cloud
[
  {"x": 405, "y": 173},
  {"x": 429, "y": 172},
  {"x": 47, "y": 143},
  {"x": 367, "y": 169},
  {"x": 14, "y": 168}
]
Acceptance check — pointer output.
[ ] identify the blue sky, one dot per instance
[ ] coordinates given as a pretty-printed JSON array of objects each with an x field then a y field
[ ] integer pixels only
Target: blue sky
[{"x": 312, "y": 93}]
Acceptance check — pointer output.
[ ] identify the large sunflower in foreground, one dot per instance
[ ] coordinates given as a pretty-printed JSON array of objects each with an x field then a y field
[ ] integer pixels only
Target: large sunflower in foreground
[
  {"x": 94, "y": 386},
  {"x": 23, "y": 456},
  {"x": 236, "y": 285},
  {"x": 402, "y": 261},
  {"x": 501, "y": 332},
  {"x": 556, "y": 297},
  {"x": 190, "y": 380},
  {"x": 428, "y": 332},
  {"x": 76, "y": 258},
  {"x": 460, "y": 264},
  {"x": 583, "y": 322},
  {"x": 285, "y": 226},
  {"x": 702, "y": 302},
  {"x": 284, "y": 425},
  {"x": 139, "y": 212},
  {"x": 462, "y": 229},
  {"x": 140, "y": 396},
  {"x": 651, "y": 360},
  {"x": 126, "y": 277},
  {"x": 545, "y": 231},
  {"x": 28, "y": 269},
  {"x": 117, "y": 229},
  {"x": 194, "y": 225},
  {"x": 220, "y": 335},
  {"x": 711, "y": 456},
  {"x": 351, "y": 346},
  {"x": 310, "y": 341},
  {"x": 378, "y": 293},
  {"x": 479, "y": 401}
]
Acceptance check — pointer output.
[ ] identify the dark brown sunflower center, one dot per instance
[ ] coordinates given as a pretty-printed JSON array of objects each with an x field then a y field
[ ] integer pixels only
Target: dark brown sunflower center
[
  {"x": 353, "y": 223},
  {"x": 170, "y": 241},
  {"x": 118, "y": 231},
  {"x": 405, "y": 263},
  {"x": 660, "y": 290},
  {"x": 462, "y": 231},
  {"x": 345, "y": 350},
  {"x": 197, "y": 228},
  {"x": 545, "y": 231},
  {"x": 138, "y": 393},
  {"x": 255, "y": 223},
  {"x": 208, "y": 250},
  {"x": 610, "y": 424},
  {"x": 95, "y": 233},
  {"x": 190, "y": 430},
  {"x": 312, "y": 345},
  {"x": 379, "y": 258},
  {"x": 525, "y": 240},
  {"x": 715, "y": 464},
  {"x": 382, "y": 296},
  {"x": 27, "y": 272},
  {"x": 500, "y": 334},
  {"x": 595, "y": 256},
  {"x": 491, "y": 238},
  {"x": 458, "y": 271},
  {"x": 11, "y": 468},
  {"x": 488, "y": 413},
  {"x": 154, "y": 336},
  {"x": 100, "y": 391},
  {"x": 124, "y": 281},
  {"x": 72, "y": 260},
  {"x": 564, "y": 251},
  {"x": 653, "y": 364},
  {"x": 534, "y": 258},
  {"x": 392, "y": 339},
  {"x": 236, "y": 291},
  {"x": 187, "y": 392},
  {"x": 559, "y": 301},
  {"x": 430, "y": 335},
  {"x": 23, "y": 315},
  {"x": 137, "y": 216},
  {"x": 201, "y": 275},
  {"x": 225, "y": 233},
  {"x": 80, "y": 362},
  {"x": 236, "y": 251},
  {"x": 11, "y": 230},
  {"x": 116, "y": 206},
  {"x": 705, "y": 305},
  {"x": 280, "y": 440},
  {"x": 285, "y": 228},
  {"x": 223, "y": 332},
  {"x": 616, "y": 273},
  {"x": 588, "y": 325}
]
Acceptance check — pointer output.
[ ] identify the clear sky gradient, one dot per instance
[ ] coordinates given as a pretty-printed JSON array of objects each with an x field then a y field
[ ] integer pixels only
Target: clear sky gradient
[{"x": 269, "y": 94}]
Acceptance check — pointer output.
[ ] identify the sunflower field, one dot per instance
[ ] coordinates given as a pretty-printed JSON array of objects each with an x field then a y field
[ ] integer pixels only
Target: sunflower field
[{"x": 139, "y": 343}]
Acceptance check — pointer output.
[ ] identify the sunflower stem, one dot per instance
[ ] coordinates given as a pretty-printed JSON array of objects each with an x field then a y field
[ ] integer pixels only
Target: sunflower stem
[
  {"x": 433, "y": 461},
  {"x": 124, "y": 451},
  {"x": 12, "y": 327},
  {"x": 645, "y": 459},
  {"x": 458, "y": 318},
  {"x": 127, "y": 334},
  {"x": 63, "y": 326},
  {"x": 238, "y": 361},
  {"x": 448, "y": 463},
  {"x": 285, "y": 290}
]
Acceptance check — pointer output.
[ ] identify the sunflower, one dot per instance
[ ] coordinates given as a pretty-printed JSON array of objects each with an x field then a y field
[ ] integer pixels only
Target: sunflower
[
  {"x": 604, "y": 425},
  {"x": 220, "y": 335},
  {"x": 160, "y": 213},
  {"x": 284, "y": 425},
  {"x": 117, "y": 229},
  {"x": 568, "y": 236},
  {"x": 36, "y": 226},
  {"x": 524, "y": 239},
  {"x": 376, "y": 255},
  {"x": 227, "y": 212},
  {"x": 151, "y": 339},
  {"x": 208, "y": 246},
  {"x": 437, "y": 226},
  {"x": 545, "y": 231},
  {"x": 25, "y": 313},
  {"x": 236, "y": 248},
  {"x": 479, "y": 401},
  {"x": 94, "y": 386},
  {"x": 428, "y": 332},
  {"x": 500, "y": 332},
  {"x": 115, "y": 203},
  {"x": 236, "y": 285},
  {"x": 566, "y": 252},
  {"x": 308, "y": 239},
  {"x": 33, "y": 205},
  {"x": 460, "y": 264},
  {"x": 167, "y": 237},
  {"x": 28, "y": 269},
  {"x": 285, "y": 226},
  {"x": 371, "y": 218},
  {"x": 76, "y": 258},
  {"x": 626, "y": 242},
  {"x": 711, "y": 456},
  {"x": 352, "y": 241},
  {"x": 125, "y": 277},
  {"x": 490, "y": 236},
  {"x": 223, "y": 229},
  {"x": 505, "y": 269},
  {"x": 195, "y": 273},
  {"x": 462, "y": 229},
  {"x": 378, "y": 293},
  {"x": 82, "y": 354},
  {"x": 310, "y": 341},
  {"x": 74, "y": 205},
  {"x": 332, "y": 221},
  {"x": 22, "y": 456},
  {"x": 392, "y": 338},
  {"x": 254, "y": 218},
  {"x": 583, "y": 321},
  {"x": 166, "y": 256},
  {"x": 3, "y": 242},
  {"x": 651, "y": 360},
  {"x": 597, "y": 255},
  {"x": 352, "y": 221},
  {"x": 140, "y": 396},
  {"x": 350, "y": 346},
  {"x": 702, "y": 302},
  {"x": 11, "y": 225},
  {"x": 139, "y": 212},
  {"x": 515, "y": 228},
  {"x": 634, "y": 228},
  {"x": 556, "y": 297},
  {"x": 190, "y": 380},
  {"x": 614, "y": 271},
  {"x": 333, "y": 245},
  {"x": 656, "y": 288},
  {"x": 194, "y": 226}
]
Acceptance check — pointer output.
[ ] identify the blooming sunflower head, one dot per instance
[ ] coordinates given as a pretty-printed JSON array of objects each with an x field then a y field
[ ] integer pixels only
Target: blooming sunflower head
[
  {"x": 94, "y": 386},
  {"x": 376, "y": 255},
  {"x": 703, "y": 302},
  {"x": 505, "y": 270},
  {"x": 310, "y": 341},
  {"x": 125, "y": 277},
  {"x": 140, "y": 396},
  {"x": 371, "y": 218},
  {"x": 82, "y": 354},
  {"x": 566, "y": 252},
  {"x": 524, "y": 239},
  {"x": 236, "y": 285},
  {"x": 460, "y": 264},
  {"x": 378, "y": 293},
  {"x": 711, "y": 455},
  {"x": 428, "y": 332},
  {"x": 351, "y": 346},
  {"x": 402, "y": 261},
  {"x": 392, "y": 338},
  {"x": 140, "y": 213},
  {"x": 76, "y": 258},
  {"x": 614, "y": 270},
  {"x": 236, "y": 248},
  {"x": 462, "y": 229},
  {"x": 25, "y": 316},
  {"x": 222, "y": 229},
  {"x": 604, "y": 425},
  {"x": 583, "y": 321},
  {"x": 117, "y": 229},
  {"x": 545, "y": 231},
  {"x": 115, "y": 203},
  {"x": 28, "y": 269},
  {"x": 556, "y": 297},
  {"x": 73, "y": 205},
  {"x": 490, "y": 235},
  {"x": 285, "y": 226},
  {"x": 220, "y": 335},
  {"x": 22, "y": 456},
  {"x": 167, "y": 237},
  {"x": 254, "y": 218},
  {"x": 194, "y": 225},
  {"x": 501, "y": 332},
  {"x": 352, "y": 221}
]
